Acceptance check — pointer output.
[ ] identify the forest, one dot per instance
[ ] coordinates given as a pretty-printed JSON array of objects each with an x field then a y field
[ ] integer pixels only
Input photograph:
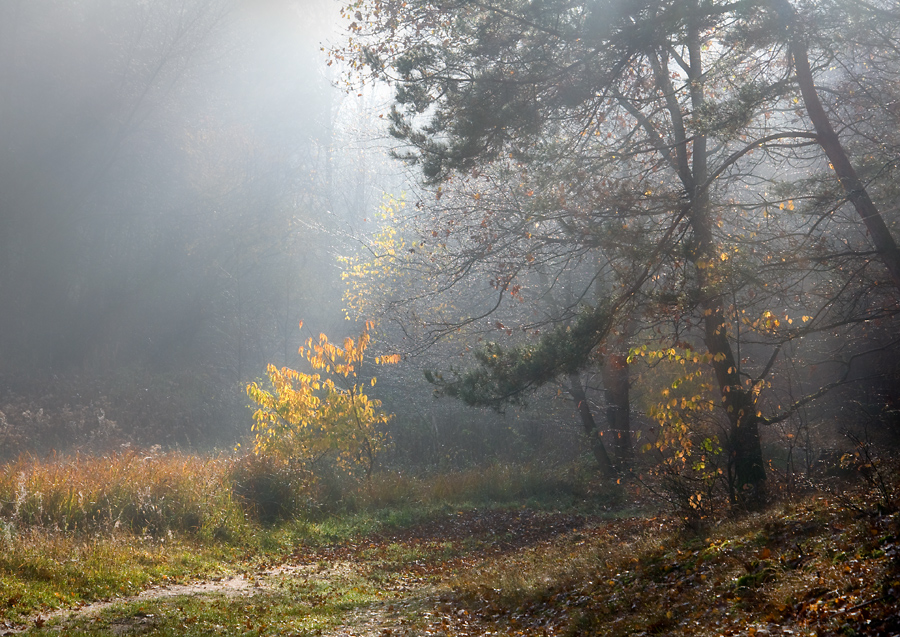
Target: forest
[{"x": 450, "y": 317}]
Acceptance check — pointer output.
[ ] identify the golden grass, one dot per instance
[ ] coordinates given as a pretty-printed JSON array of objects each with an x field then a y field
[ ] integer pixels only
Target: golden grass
[
  {"x": 142, "y": 493},
  {"x": 496, "y": 484}
]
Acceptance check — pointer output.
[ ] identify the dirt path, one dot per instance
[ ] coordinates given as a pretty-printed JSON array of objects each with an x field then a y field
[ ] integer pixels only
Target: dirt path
[
  {"x": 406, "y": 568},
  {"x": 245, "y": 585}
]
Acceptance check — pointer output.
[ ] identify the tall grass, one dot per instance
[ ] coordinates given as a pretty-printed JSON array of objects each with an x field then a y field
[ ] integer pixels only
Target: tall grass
[
  {"x": 80, "y": 527},
  {"x": 154, "y": 494},
  {"x": 492, "y": 484},
  {"x": 225, "y": 496}
]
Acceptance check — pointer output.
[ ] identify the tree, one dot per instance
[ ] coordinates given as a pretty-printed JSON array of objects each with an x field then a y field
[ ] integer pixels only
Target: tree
[
  {"x": 624, "y": 128},
  {"x": 574, "y": 74},
  {"x": 854, "y": 187},
  {"x": 424, "y": 294},
  {"x": 308, "y": 416}
]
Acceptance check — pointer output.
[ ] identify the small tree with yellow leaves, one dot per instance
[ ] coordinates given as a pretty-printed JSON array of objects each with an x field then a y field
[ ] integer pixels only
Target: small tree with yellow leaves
[
  {"x": 306, "y": 417},
  {"x": 692, "y": 468}
]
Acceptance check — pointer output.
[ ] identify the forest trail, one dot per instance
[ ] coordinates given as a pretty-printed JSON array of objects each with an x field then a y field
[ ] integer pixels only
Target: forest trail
[
  {"x": 372, "y": 620},
  {"x": 403, "y": 577},
  {"x": 815, "y": 567}
]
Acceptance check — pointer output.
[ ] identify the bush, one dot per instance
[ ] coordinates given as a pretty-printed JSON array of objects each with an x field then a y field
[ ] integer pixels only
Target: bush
[
  {"x": 267, "y": 488},
  {"x": 306, "y": 417}
]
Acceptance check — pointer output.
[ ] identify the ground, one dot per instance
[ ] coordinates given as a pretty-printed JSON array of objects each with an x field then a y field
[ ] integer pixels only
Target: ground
[{"x": 810, "y": 567}]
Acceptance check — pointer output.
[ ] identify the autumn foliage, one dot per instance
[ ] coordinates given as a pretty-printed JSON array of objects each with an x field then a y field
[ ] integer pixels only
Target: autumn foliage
[{"x": 308, "y": 416}]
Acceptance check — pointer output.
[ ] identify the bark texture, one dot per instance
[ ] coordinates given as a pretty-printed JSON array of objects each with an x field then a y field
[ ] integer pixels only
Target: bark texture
[
  {"x": 576, "y": 390},
  {"x": 831, "y": 144}
]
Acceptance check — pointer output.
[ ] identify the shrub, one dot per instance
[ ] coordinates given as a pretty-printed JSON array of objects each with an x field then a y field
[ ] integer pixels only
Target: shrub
[
  {"x": 268, "y": 488},
  {"x": 327, "y": 413}
]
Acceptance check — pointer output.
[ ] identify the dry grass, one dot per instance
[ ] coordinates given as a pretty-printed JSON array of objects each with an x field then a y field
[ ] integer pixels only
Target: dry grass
[
  {"x": 76, "y": 528},
  {"x": 539, "y": 485},
  {"x": 156, "y": 494},
  {"x": 81, "y": 528}
]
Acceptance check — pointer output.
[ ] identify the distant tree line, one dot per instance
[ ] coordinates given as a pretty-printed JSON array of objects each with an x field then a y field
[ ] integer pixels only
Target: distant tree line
[{"x": 172, "y": 187}]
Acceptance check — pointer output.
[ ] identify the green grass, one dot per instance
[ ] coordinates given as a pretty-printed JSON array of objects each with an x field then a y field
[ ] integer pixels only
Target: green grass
[
  {"x": 46, "y": 569},
  {"x": 84, "y": 528},
  {"x": 295, "y": 610},
  {"x": 489, "y": 550}
]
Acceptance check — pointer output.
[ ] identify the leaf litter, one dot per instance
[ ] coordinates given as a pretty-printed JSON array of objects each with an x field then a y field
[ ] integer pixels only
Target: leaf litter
[{"x": 811, "y": 568}]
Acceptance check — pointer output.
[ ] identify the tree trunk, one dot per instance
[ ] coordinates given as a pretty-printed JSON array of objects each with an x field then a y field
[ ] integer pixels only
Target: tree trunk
[
  {"x": 616, "y": 382},
  {"x": 590, "y": 426},
  {"x": 834, "y": 150},
  {"x": 743, "y": 444}
]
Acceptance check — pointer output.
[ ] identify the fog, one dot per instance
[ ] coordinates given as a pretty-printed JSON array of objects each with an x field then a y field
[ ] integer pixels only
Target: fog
[
  {"x": 178, "y": 183},
  {"x": 175, "y": 181},
  {"x": 433, "y": 317}
]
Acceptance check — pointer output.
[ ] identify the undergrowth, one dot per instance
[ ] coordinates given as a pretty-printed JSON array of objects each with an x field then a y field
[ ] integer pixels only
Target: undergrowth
[
  {"x": 504, "y": 550},
  {"x": 80, "y": 528}
]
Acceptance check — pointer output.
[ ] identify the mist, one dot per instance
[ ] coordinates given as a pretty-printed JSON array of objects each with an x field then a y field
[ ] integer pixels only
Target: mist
[
  {"x": 183, "y": 183},
  {"x": 174, "y": 181},
  {"x": 410, "y": 317}
]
